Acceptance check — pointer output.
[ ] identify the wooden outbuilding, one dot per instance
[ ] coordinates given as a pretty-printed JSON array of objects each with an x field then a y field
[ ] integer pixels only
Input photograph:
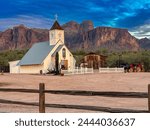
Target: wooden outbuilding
[{"x": 93, "y": 60}]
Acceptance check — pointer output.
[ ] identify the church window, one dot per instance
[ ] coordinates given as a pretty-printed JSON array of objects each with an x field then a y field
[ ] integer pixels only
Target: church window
[
  {"x": 64, "y": 53},
  {"x": 59, "y": 35},
  {"x": 52, "y": 35}
]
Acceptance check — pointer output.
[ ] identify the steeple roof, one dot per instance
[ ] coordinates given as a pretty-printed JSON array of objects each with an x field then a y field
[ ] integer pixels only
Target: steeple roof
[{"x": 57, "y": 26}]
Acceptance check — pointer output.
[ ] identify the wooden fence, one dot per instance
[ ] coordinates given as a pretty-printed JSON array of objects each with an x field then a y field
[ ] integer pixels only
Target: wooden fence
[{"x": 42, "y": 105}]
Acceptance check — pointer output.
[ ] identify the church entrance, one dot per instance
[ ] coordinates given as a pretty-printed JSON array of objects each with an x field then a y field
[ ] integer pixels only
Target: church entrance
[{"x": 64, "y": 64}]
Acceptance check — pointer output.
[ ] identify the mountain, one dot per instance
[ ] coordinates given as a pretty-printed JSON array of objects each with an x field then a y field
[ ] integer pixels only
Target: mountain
[
  {"x": 85, "y": 36},
  {"x": 20, "y": 37},
  {"x": 144, "y": 43},
  {"x": 77, "y": 36}
]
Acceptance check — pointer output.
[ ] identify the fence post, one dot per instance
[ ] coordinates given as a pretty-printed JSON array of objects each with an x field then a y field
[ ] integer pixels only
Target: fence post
[
  {"x": 149, "y": 98},
  {"x": 41, "y": 98}
]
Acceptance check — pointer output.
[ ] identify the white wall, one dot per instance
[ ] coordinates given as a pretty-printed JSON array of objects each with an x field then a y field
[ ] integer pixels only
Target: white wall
[
  {"x": 13, "y": 67},
  {"x": 69, "y": 57},
  {"x": 49, "y": 62},
  {"x": 54, "y": 36},
  {"x": 31, "y": 69}
]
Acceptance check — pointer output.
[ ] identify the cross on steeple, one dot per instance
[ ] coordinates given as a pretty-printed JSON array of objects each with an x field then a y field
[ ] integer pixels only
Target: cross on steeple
[{"x": 56, "y": 17}]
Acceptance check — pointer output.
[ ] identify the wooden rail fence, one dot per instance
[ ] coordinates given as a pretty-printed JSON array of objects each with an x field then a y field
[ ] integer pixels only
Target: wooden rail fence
[{"x": 42, "y": 105}]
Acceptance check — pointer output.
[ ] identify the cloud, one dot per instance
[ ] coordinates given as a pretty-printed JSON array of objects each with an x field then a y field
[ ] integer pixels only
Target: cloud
[
  {"x": 30, "y": 21},
  {"x": 141, "y": 31},
  {"x": 37, "y": 13},
  {"x": 139, "y": 18}
]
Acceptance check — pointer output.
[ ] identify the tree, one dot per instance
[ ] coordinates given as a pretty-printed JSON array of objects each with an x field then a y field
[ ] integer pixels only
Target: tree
[
  {"x": 57, "y": 63},
  {"x": 140, "y": 57},
  {"x": 10, "y": 55}
]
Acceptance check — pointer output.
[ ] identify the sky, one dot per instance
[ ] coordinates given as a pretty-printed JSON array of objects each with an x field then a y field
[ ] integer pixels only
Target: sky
[{"x": 133, "y": 15}]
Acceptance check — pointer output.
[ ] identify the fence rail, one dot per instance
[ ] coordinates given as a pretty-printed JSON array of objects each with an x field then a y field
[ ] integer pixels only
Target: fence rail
[
  {"x": 109, "y": 70},
  {"x": 42, "y": 105},
  {"x": 19, "y": 90}
]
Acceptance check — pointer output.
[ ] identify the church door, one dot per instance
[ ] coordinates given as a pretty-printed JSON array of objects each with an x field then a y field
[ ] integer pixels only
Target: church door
[{"x": 64, "y": 64}]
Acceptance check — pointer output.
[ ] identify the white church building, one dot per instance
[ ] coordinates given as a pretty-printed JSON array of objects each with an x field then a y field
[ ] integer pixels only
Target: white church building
[{"x": 41, "y": 56}]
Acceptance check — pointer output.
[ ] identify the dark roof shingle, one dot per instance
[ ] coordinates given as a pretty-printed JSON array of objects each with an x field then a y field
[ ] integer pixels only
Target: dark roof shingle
[{"x": 56, "y": 26}]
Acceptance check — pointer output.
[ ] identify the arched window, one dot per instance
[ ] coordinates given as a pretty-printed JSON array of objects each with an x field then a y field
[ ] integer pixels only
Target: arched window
[
  {"x": 52, "y": 35},
  {"x": 64, "y": 53}
]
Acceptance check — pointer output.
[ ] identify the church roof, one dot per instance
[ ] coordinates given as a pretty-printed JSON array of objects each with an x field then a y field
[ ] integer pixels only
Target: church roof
[
  {"x": 57, "y": 26},
  {"x": 36, "y": 54},
  {"x": 57, "y": 50}
]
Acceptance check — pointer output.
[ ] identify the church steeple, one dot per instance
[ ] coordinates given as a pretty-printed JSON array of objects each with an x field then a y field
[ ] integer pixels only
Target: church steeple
[
  {"x": 56, "y": 34},
  {"x": 56, "y": 26}
]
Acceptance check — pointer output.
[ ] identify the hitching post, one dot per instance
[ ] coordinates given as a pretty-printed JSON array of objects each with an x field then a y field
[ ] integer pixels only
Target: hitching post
[
  {"x": 149, "y": 98},
  {"x": 41, "y": 98}
]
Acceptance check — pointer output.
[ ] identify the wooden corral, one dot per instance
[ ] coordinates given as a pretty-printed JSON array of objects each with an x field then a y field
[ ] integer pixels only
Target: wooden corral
[{"x": 93, "y": 60}]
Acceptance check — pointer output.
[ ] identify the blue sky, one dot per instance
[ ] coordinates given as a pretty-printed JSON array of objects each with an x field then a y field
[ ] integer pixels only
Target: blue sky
[{"x": 131, "y": 14}]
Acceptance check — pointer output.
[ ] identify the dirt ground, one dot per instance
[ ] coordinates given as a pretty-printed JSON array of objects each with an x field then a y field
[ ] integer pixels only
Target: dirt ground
[{"x": 122, "y": 82}]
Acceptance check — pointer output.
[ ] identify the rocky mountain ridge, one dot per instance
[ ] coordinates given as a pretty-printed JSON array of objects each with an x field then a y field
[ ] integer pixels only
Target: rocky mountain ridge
[
  {"x": 77, "y": 36},
  {"x": 144, "y": 43}
]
